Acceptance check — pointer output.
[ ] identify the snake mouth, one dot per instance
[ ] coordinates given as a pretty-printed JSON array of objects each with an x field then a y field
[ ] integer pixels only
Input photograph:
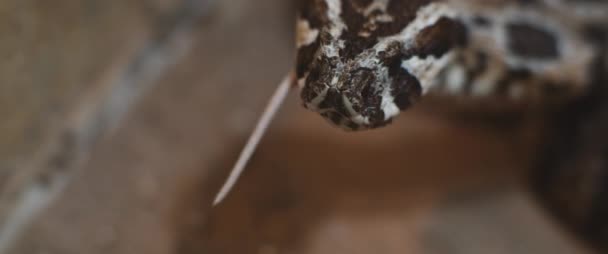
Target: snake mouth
[
  {"x": 349, "y": 123},
  {"x": 347, "y": 112}
]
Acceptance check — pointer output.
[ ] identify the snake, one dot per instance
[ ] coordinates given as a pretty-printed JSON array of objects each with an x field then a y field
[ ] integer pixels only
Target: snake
[{"x": 361, "y": 62}]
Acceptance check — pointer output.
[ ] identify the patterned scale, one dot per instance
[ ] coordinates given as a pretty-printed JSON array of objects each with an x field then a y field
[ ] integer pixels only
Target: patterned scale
[{"x": 361, "y": 62}]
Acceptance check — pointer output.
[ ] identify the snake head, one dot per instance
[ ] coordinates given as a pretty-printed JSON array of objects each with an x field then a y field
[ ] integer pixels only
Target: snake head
[
  {"x": 359, "y": 65},
  {"x": 361, "y": 93}
]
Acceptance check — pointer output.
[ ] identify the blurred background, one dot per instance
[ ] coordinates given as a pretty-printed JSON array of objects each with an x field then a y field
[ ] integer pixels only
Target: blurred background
[{"x": 121, "y": 119}]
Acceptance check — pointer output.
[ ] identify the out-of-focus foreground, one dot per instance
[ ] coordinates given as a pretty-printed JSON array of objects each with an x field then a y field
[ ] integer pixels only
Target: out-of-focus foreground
[{"x": 121, "y": 119}]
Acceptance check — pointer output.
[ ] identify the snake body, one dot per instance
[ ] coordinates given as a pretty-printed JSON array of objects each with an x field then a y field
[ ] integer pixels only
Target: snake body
[{"x": 361, "y": 62}]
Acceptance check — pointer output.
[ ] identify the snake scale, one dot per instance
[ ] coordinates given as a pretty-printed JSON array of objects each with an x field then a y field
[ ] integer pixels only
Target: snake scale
[{"x": 361, "y": 62}]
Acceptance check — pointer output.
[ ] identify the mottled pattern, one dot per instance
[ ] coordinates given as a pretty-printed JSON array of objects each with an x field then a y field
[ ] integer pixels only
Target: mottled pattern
[
  {"x": 361, "y": 62},
  {"x": 350, "y": 66}
]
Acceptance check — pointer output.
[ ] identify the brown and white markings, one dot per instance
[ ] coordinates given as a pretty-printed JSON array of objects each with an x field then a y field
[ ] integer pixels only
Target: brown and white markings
[{"x": 361, "y": 62}]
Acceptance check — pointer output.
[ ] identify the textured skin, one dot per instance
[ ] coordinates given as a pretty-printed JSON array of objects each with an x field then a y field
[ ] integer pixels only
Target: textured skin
[{"x": 361, "y": 62}]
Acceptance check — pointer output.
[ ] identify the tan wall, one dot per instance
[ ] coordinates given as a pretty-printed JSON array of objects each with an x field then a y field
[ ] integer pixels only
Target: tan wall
[{"x": 68, "y": 70}]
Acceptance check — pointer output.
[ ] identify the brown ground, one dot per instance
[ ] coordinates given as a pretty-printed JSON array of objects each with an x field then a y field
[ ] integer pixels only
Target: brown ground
[{"x": 423, "y": 185}]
